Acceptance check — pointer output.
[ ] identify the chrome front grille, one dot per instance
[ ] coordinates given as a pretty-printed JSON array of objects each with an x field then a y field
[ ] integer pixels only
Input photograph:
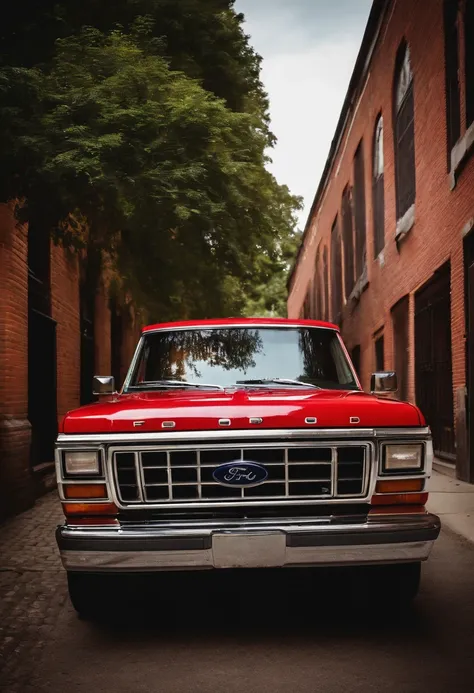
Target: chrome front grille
[{"x": 296, "y": 471}]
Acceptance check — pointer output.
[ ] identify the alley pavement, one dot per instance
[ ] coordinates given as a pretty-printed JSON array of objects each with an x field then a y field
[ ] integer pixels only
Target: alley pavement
[
  {"x": 279, "y": 631},
  {"x": 32, "y": 590}
]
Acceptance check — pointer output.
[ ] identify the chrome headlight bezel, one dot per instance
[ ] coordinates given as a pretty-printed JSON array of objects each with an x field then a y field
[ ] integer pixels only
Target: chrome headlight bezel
[
  {"x": 95, "y": 470},
  {"x": 388, "y": 469}
]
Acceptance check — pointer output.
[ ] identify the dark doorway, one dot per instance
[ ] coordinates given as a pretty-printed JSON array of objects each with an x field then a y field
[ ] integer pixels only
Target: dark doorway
[
  {"x": 400, "y": 335},
  {"x": 42, "y": 402},
  {"x": 433, "y": 360},
  {"x": 42, "y": 398},
  {"x": 467, "y": 470}
]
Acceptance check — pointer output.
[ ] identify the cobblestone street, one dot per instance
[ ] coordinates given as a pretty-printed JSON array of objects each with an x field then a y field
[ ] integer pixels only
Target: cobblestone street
[
  {"x": 208, "y": 634},
  {"x": 32, "y": 590}
]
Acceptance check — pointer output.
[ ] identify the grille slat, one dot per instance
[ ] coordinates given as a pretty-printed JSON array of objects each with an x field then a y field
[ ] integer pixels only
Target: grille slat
[{"x": 298, "y": 471}]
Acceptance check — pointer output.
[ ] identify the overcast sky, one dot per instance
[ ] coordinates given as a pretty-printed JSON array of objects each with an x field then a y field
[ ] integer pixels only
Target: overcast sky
[{"x": 309, "y": 48}]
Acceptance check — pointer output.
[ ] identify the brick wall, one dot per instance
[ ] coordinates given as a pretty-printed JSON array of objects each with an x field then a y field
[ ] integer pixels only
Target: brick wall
[
  {"x": 65, "y": 310},
  {"x": 441, "y": 213},
  {"x": 16, "y": 489},
  {"x": 18, "y": 484}
]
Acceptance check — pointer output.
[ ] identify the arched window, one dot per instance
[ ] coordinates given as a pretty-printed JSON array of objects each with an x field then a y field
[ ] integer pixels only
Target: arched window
[
  {"x": 404, "y": 132},
  {"x": 378, "y": 188},
  {"x": 326, "y": 283},
  {"x": 347, "y": 241},
  {"x": 336, "y": 272},
  {"x": 307, "y": 305},
  {"x": 317, "y": 294},
  {"x": 453, "y": 88}
]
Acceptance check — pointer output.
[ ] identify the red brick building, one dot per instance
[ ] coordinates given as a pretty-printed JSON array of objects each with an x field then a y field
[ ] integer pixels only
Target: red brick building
[
  {"x": 388, "y": 248},
  {"x": 56, "y": 331}
]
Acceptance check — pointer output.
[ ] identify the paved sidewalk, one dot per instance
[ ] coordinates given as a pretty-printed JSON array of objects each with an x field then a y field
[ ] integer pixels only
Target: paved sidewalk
[
  {"x": 32, "y": 590},
  {"x": 453, "y": 501}
]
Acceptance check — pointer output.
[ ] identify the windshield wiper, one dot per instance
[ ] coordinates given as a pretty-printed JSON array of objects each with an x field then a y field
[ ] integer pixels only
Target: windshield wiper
[
  {"x": 277, "y": 381},
  {"x": 174, "y": 384}
]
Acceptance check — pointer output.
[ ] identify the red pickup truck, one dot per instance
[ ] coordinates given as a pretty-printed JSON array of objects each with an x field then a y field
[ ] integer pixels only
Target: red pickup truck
[{"x": 243, "y": 443}]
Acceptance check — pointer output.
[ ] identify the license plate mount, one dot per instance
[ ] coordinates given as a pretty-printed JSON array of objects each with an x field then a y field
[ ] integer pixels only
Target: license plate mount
[{"x": 252, "y": 550}]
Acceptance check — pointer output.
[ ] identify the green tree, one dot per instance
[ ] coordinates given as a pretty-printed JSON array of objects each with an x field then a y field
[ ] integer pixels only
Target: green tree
[
  {"x": 166, "y": 177},
  {"x": 268, "y": 297}
]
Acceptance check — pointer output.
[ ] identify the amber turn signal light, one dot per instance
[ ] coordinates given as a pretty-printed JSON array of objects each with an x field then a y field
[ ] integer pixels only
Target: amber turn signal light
[
  {"x": 104, "y": 520},
  {"x": 397, "y": 510},
  {"x": 85, "y": 491},
  {"x": 400, "y": 499},
  {"x": 399, "y": 485},
  {"x": 90, "y": 509}
]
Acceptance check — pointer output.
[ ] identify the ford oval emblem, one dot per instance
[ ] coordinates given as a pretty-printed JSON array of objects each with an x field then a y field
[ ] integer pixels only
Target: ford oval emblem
[{"x": 240, "y": 474}]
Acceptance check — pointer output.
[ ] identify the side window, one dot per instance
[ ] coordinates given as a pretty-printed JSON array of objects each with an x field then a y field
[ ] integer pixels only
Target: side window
[
  {"x": 348, "y": 241},
  {"x": 336, "y": 272},
  {"x": 404, "y": 132},
  {"x": 378, "y": 194},
  {"x": 453, "y": 91},
  {"x": 359, "y": 211},
  {"x": 317, "y": 292},
  {"x": 326, "y": 283},
  {"x": 469, "y": 60}
]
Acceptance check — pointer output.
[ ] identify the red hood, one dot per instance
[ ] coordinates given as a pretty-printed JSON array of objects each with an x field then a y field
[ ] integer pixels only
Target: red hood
[{"x": 279, "y": 408}]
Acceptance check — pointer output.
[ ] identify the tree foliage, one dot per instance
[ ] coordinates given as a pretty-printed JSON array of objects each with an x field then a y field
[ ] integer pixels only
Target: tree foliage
[{"x": 153, "y": 147}]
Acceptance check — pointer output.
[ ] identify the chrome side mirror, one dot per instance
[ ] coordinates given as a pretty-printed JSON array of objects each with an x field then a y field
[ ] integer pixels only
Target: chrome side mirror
[
  {"x": 383, "y": 382},
  {"x": 103, "y": 385}
]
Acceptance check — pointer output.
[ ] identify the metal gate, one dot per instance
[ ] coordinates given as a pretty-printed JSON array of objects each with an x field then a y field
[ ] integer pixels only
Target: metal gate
[{"x": 433, "y": 360}]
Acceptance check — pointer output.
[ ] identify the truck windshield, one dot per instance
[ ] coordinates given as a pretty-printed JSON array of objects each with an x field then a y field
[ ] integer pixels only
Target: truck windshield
[{"x": 242, "y": 356}]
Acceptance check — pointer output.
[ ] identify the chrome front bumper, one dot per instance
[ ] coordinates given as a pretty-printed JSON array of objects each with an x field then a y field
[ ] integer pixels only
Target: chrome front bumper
[{"x": 249, "y": 544}]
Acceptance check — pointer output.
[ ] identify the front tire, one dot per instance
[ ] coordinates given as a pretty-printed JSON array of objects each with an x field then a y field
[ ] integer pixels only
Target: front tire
[
  {"x": 403, "y": 582},
  {"x": 86, "y": 592}
]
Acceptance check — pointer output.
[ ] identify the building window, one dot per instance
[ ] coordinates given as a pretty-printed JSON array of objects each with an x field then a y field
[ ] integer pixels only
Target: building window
[
  {"x": 359, "y": 211},
  {"x": 453, "y": 92},
  {"x": 469, "y": 60},
  {"x": 326, "y": 283},
  {"x": 378, "y": 194},
  {"x": 317, "y": 295},
  {"x": 404, "y": 132},
  {"x": 379, "y": 354},
  {"x": 336, "y": 273},
  {"x": 355, "y": 358},
  {"x": 348, "y": 241},
  {"x": 307, "y": 306}
]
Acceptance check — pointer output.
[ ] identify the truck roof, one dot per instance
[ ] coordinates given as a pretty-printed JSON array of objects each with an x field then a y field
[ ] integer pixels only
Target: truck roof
[{"x": 255, "y": 322}]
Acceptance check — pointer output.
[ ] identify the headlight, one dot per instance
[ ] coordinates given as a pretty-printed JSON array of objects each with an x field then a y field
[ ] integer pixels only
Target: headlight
[
  {"x": 86, "y": 462},
  {"x": 402, "y": 458}
]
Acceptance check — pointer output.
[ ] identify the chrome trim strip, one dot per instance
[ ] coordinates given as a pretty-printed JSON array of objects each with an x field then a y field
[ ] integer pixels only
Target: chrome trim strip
[
  {"x": 250, "y": 325},
  {"x": 198, "y": 526},
  {"x": 139, "y": 474},
  {"x": 349, "y": 361},
  {"x": 415, "y": 434},
  {"x": 316, "y": 542},
  {"x": 321, "y": 556},
  {"x": 133, "y": 364}
]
